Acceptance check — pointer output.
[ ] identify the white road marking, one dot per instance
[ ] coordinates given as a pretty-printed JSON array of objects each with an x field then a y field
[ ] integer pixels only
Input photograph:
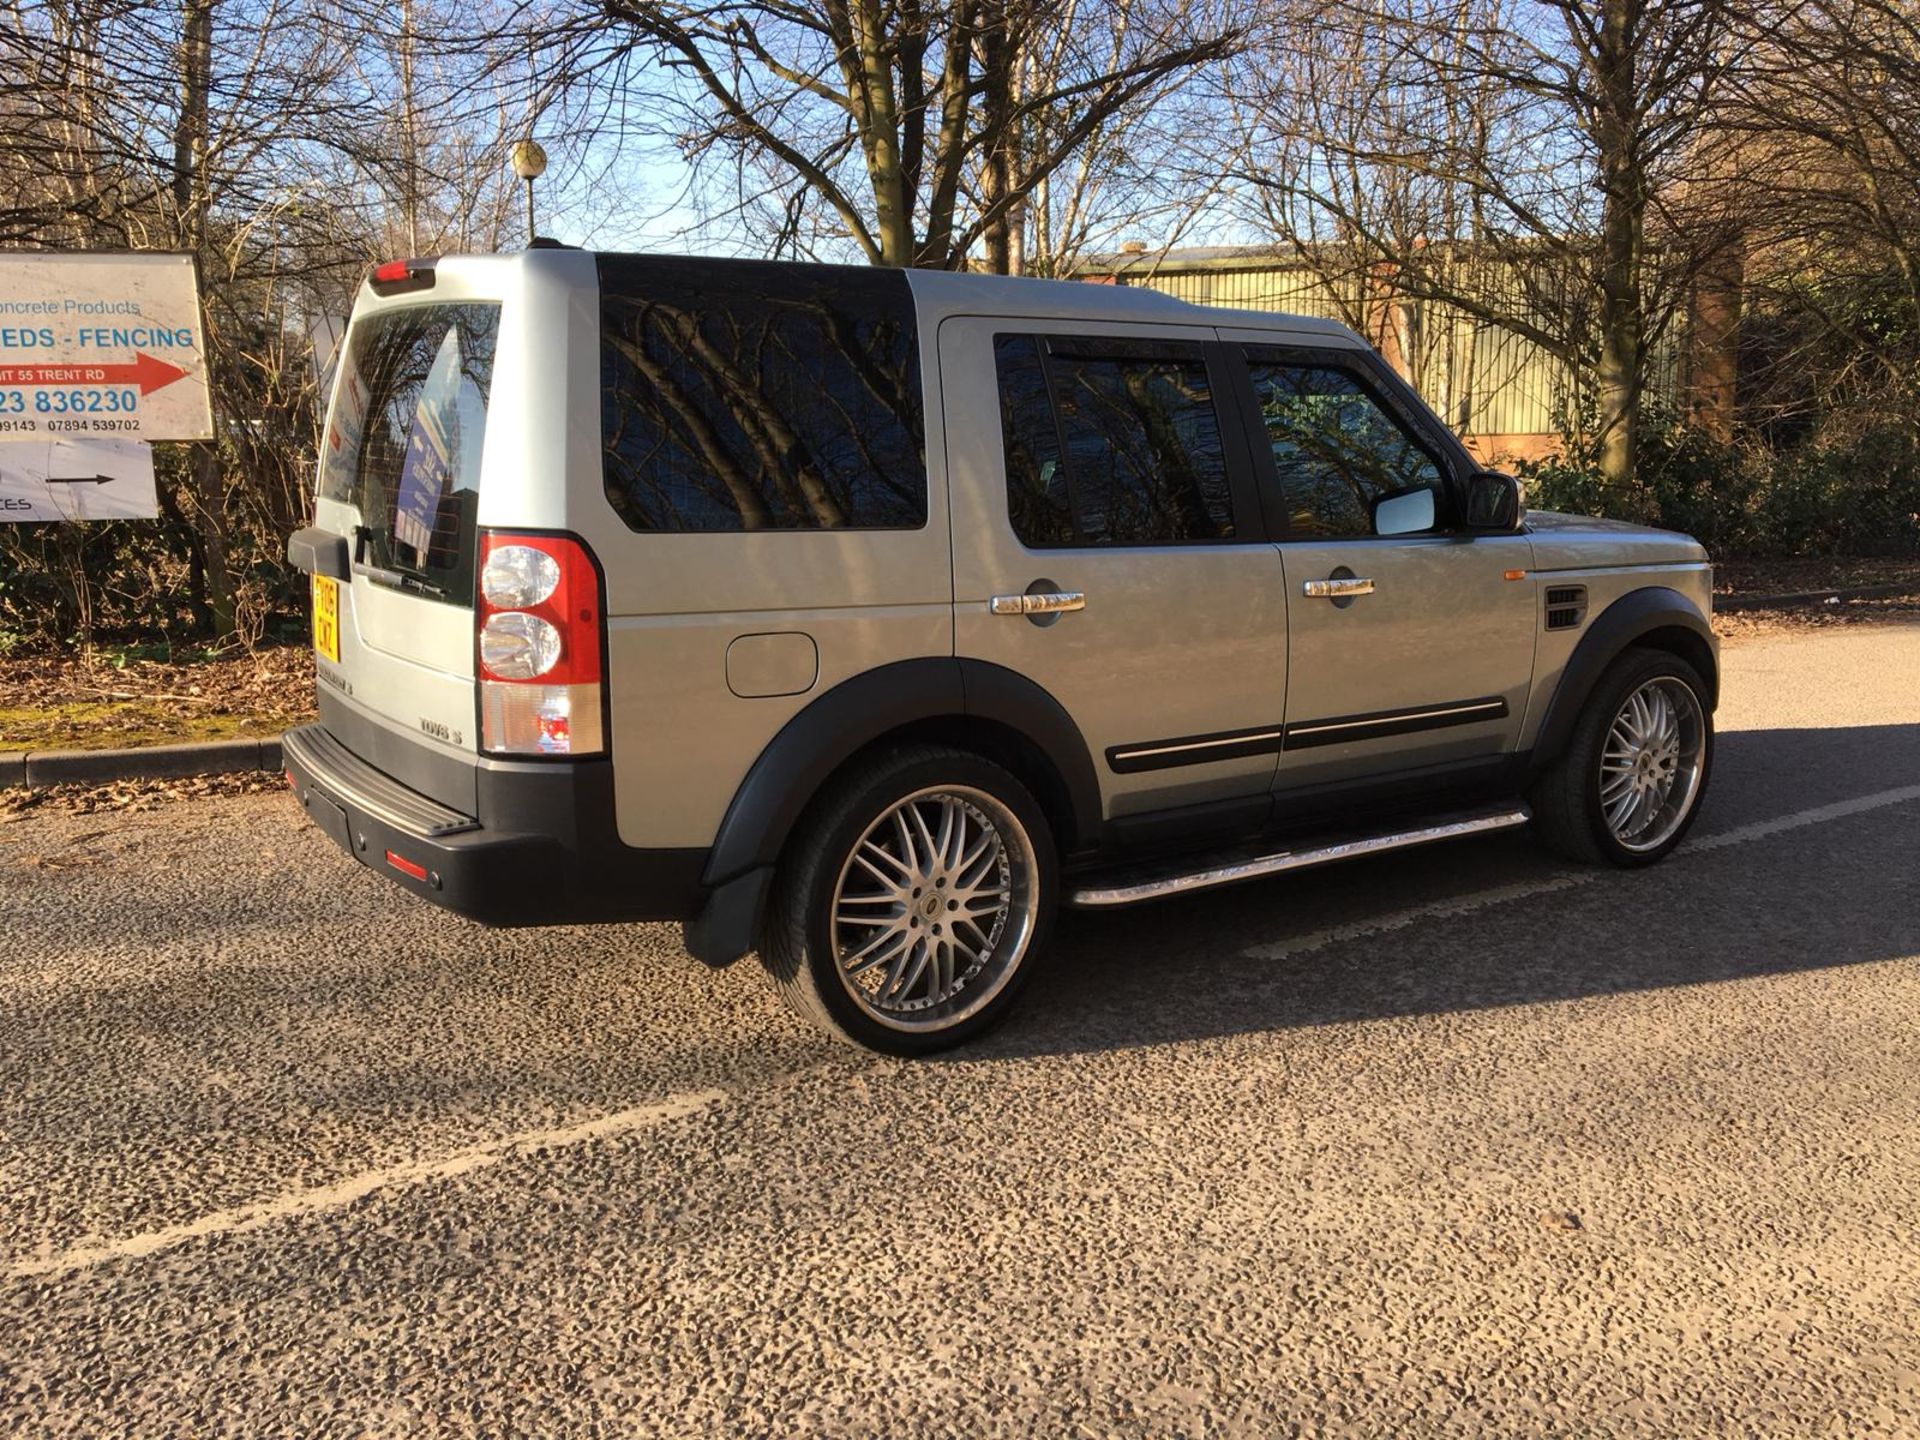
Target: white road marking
[
  {"x": 1840, "y": 809},
  {"x": 356, "y": 1187},
  {"x": 1567, "y": 880},
  {"x": 345, "y": 1192}
]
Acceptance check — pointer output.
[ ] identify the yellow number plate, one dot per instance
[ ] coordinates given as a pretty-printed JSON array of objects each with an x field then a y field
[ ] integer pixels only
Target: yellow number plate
[{"x": 326, "y": 617}]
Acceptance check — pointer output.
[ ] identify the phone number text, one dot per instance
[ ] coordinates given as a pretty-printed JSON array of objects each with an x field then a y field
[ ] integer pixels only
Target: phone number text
[{"x": 86, "y": 401}]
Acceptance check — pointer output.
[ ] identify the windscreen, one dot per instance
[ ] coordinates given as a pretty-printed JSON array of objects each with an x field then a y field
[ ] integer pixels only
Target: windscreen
[{"x": 404, "y": 444}]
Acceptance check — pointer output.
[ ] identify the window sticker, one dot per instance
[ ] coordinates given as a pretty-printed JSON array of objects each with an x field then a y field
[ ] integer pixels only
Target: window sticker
[{"x": 433, "y": 439}]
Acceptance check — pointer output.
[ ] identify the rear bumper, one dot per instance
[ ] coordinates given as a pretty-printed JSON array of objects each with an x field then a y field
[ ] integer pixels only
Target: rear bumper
[{"x": 543, "y": 850}]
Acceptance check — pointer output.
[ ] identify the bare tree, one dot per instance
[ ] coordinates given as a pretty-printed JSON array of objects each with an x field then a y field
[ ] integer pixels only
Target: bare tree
[
  {"x": 200, "y": 127},
  {"x": 1519, "y": 162},
  {"x": 1817, "y": 162},
  {"x": 918, "y": 127},
  {"x": 1133, "y": 176},
  {"x": 440, "y": 182}
]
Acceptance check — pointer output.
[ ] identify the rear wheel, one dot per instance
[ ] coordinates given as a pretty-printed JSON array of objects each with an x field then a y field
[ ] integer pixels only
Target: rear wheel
[
  {"x": 913, "y": 902},
  {"x": 1629, "y": 785}
]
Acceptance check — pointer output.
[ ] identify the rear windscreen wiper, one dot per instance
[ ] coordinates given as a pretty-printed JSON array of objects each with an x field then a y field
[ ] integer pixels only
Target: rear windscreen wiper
[
  {"x": 399, "y": 580},
  {"x": 381, "y": 575}
]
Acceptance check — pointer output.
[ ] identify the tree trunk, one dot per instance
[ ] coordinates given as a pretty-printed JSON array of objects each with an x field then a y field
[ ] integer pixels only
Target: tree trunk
[
  {"x": 876, "y": 103},
  {"x": 1623, "y": 217},
  {"x": 1015, "y": 148},
  {"x": 210, "y": 513},
  {"x": 409, "y": 130},
  {"x": 190, "y": 224},
  {"x": 69, "y": 543},
  {"x": 194, "y": 547},
  {"x": 1713, "y": 343},
  {"x": 1619, "y": 371},
  {"x": 996, "y": 98},
  {"x": 190, "y": 127}
]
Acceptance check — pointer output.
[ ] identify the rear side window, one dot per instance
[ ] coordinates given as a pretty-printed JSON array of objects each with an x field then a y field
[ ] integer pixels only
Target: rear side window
[
  {"x": 1111, "y": 443},
  {"x": 740, "y": 395},
  {"x": 405, "y": 440}
]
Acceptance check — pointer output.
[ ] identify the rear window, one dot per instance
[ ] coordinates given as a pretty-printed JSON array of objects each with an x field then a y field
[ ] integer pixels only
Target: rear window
[
  {"x": 743, "y": 395},
  {"x": 404, "y": 444}
]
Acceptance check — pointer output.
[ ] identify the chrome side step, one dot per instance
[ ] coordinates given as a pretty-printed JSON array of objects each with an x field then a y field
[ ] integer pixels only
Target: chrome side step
[{"x": 1131, "y": 887}]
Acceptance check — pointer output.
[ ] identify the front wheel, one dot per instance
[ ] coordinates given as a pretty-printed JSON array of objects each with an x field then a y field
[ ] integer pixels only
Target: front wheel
[
  {"x": 1629, "y": 785},
  {"x": 914, "y": 901}
]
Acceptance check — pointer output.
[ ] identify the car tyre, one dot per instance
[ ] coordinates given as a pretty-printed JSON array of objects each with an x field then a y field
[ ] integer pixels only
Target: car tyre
[
  {"x": 1628, "y": 786},
  {"x": 913, "y": 902}
]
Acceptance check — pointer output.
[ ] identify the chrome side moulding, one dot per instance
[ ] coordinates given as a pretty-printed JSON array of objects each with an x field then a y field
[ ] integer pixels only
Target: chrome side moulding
[
  {"x": 1394, "y": 722},
  {"x": 1183, "y": 747},
  {"x": 1302, "y": 735}
]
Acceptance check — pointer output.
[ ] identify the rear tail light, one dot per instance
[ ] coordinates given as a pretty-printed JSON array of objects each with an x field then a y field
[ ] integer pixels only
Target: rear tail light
[
  {"x": 515, "y": 645},
  {"x": 538, "y": 640}
]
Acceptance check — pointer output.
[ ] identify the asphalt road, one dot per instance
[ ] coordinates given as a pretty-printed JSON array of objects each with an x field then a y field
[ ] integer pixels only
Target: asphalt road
[{"x": 1456, "y": 1141}]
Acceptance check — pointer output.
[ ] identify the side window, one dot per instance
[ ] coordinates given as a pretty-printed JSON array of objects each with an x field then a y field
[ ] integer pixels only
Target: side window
[
  {"x": 1339, "y": 453},
  {"x": 1104, "y": 447},
  {"x": 741, "y": 395},
  {"x": 1037, "y": 498}
]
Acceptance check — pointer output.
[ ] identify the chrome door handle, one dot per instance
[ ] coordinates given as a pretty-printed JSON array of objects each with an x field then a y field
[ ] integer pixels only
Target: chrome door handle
[
  {"x": 1336, "y": 589},
  {"x": 1045, "y": 602}
]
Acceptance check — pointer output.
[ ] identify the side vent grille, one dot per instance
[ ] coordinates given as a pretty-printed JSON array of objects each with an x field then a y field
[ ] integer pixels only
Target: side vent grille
[{"x": 1566, "y": 606}]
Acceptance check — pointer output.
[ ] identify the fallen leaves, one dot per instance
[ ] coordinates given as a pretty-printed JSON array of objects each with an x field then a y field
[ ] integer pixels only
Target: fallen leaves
[
  {"x": 1785, "y": 577},
  {"x": 115, "y": 699},
  {"x": 128, "y": 796},
  {"x": 1815, "y": 615}
]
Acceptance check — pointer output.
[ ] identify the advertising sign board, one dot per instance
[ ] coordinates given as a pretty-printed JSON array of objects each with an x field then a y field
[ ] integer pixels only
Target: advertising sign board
[
  {"x": 95, "y": 344},
  {"x": 79, "y": 478}
]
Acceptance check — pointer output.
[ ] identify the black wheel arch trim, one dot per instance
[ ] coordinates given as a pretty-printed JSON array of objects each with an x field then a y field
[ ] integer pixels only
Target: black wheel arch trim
[
  {"x": 833, "y": 728},
  {"x": 1634, "y": 615}
]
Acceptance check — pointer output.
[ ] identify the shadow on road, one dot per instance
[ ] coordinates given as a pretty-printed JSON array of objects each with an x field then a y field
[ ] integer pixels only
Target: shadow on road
[{"x": 1836, "y": 893}]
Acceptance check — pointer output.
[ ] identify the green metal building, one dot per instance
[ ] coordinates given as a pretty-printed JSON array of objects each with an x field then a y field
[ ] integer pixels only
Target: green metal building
[{"x": 1505, "y": 395}]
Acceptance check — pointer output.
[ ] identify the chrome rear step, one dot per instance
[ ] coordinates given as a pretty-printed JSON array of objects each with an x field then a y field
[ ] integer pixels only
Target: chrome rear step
[{"x": 1187, "y": 873}]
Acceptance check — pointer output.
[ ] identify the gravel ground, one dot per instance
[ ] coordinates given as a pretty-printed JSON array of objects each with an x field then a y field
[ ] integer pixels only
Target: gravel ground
[{"x": 1456, "y": 1141}]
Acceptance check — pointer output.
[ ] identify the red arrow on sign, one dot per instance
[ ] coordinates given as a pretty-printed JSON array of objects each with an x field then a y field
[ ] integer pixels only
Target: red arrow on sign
[{"x": 145, "y": 371}]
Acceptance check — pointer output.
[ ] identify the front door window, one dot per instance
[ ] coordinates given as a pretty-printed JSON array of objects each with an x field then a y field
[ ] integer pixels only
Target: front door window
[{"x": 1346, "y": 466}]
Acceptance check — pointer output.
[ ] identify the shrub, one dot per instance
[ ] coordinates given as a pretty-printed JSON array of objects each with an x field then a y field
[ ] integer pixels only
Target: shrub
[
  {"x": 1857, "y": 495},
  {"x": 1848, "y": 490}
]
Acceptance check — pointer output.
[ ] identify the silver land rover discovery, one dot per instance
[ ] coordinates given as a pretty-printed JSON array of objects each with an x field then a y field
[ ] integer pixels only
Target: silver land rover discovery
[{"x": 862, "y": 617}]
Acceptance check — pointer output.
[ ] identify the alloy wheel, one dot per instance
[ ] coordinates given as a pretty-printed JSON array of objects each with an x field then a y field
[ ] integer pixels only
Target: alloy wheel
[
  {"x": 1652, "y": 763},
  {"x": 934, "y": 908}
]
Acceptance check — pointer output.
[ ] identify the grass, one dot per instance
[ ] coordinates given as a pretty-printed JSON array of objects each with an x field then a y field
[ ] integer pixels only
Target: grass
[
  {"x": 140, "y": 695},
  {"x": 114, "y": 724}
]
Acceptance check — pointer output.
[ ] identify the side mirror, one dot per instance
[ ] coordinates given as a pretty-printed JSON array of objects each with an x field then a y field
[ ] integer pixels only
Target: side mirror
[
  {"x": 1404, "y": 512},
  {"x": 1495, "y": 502}
]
